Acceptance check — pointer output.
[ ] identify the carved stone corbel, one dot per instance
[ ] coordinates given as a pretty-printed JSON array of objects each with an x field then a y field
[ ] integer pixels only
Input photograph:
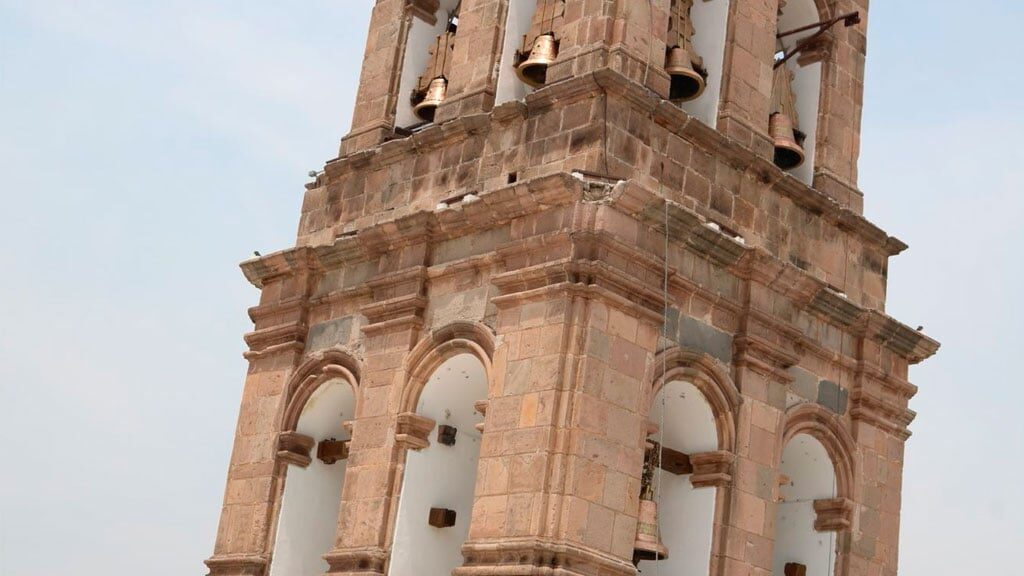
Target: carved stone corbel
[
  {"x": 294, "y": 448},
  {"x": 712, "y": 469},
  {"x": 413, "y": 431},
  {"x": 833, "y": 514},
  {"x": 481, "y": 407}
]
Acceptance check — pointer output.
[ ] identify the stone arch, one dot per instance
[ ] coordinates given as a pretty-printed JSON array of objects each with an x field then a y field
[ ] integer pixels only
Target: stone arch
[
  {"x": 313, "y": 372},
  {"x": 692, "y": 502},
  {"x": 448, "y": 380},
  {"x": 826, "y": 428},
  {"x": 817, "y": 461},
  {"x": 443, "y": 344},
  {"x": 321, "y": 398},
  {"x": 710, "y": 378}
]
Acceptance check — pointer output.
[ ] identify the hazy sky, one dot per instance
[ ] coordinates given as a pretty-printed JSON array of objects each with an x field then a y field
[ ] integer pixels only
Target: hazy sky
[{"x": 148, "y": 147}]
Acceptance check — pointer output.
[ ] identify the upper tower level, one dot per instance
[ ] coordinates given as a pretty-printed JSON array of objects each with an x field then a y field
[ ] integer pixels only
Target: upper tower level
[
  {"x": 746, "y": 112},
  {"x": 781, "y": 78}
]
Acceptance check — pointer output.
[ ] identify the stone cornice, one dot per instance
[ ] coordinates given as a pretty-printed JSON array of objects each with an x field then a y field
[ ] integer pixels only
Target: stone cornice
[{"x": 686, "y": 227}]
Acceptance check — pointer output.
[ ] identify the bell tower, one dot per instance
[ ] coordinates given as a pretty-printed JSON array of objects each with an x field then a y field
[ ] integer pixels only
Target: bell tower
[{"x": 587, "y": 291}]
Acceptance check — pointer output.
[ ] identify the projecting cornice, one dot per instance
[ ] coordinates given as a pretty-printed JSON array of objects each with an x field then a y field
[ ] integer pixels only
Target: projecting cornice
[{"x": 467, "y": 215}]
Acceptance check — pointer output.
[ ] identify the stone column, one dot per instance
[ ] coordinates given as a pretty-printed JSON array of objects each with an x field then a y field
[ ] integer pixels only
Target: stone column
[
  {"x": 374, "y": 115},
  {"x": 747, "y": 74},
  {"x": 627, "y": 36},
  {"x": 472, "y": 85},
  {"x": 376, "y": 457},
  {"x": 839, "y": 115}
]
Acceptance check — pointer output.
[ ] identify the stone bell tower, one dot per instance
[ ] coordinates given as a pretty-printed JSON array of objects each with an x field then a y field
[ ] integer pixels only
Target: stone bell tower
[{"x": 587, "y": 291}]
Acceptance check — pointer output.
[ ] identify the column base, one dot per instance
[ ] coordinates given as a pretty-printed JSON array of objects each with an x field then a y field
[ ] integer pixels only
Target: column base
[{"x": 537, "y": 557}]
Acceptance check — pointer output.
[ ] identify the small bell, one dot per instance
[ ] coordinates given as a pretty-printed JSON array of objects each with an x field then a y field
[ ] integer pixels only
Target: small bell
[
  {"x": 788, "y": 152},
  {"x": 648, "y": 546},
  {"x": 436, "y": 92},
  {"x": 534, "y": 70},
  {"x": 687, "y": 83}
]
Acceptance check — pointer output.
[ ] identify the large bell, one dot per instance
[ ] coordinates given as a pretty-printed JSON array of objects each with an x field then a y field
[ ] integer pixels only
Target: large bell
[
  {"x": 436, "y": 92},
  {"x": 647, "y": 545},
  {"x": 788, "y": 152},
  {"x": 534, "y": 70},
  {"x": 687, "y": 83}
]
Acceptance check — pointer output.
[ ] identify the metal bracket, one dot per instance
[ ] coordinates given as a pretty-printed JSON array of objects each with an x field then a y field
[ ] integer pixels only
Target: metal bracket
[{"x": 848, "y": 20}]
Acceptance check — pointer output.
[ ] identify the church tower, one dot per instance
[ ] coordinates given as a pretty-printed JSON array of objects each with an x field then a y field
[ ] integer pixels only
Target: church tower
[{"x": 588, "y": 291}]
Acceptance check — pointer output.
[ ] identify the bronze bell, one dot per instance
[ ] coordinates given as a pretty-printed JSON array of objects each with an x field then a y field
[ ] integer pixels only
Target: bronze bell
[
  {"x": 436, "y": 92},
  {"x": 647, "y": 545},
  {"x": 534, "y": 70},
  {"x": 687, "y": 83},
  {"x": 788, "y": 152}
]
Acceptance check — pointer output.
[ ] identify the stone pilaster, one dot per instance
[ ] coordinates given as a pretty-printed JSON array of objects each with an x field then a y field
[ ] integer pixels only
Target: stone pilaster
[
  {"x": 259, "y": 460},
  {"x": 747, "y": 74},
  {"x": 471, "y": 87},
  {"x": 383, "y": 433}
]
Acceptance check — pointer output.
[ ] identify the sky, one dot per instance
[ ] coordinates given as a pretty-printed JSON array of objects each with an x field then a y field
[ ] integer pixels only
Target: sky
[{"x": 146, "y": 148}]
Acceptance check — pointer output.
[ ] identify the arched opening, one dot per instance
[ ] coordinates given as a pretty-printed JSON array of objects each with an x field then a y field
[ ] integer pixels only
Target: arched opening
[
  {"x": 428, "y": 49},
  {"x": 442, "y": 476},
  {"x": 686, "y": 513},
  {"x": 701, "y": 25},
  {"x": 808, "y": 475},
  {"x": 803, "y": 79},
  {"x": 308, "y": 519}
]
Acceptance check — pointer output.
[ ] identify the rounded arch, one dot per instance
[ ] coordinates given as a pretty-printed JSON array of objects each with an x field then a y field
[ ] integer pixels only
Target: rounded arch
[
  {"x": 709, "y": 378},
  {"x": 825, "y": 427},
  {"x": 310, "y": 375},
  {"x": 443, "y": 344}
]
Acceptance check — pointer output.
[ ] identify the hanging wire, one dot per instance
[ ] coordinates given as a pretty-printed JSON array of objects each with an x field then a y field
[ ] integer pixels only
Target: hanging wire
[{"x": 664, "y": 359}]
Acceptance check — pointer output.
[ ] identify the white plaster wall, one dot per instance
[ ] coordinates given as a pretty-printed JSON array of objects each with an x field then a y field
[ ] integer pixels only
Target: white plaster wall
[
  {"x": 312, "y": 496},
  {"x": 806, "y": 83},
  {"x": 422, "y": 37},
  {"x": 812, "y": 477},
  {"x": 710, "y": 20},
  {"x": 520, "y": 14},
  {"x": 441, "y": 476},
  {"x": 686, "y": 514}
]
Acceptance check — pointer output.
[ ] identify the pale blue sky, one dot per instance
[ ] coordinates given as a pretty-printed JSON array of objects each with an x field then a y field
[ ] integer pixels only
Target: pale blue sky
[{"x": 148, "y": 147}]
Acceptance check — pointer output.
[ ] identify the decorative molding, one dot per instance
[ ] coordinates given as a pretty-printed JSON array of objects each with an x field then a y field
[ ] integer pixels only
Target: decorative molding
[
  {"x": 516, "y": 557},
  {"x": 833, "y": 514},
  {"x": 362, "y": 561},
  {"x": 712, "y": 469},
  {"x": 412, "y": 431},
  {"x": 237, "y": 565},
  {"x": 294, "y": 448}
]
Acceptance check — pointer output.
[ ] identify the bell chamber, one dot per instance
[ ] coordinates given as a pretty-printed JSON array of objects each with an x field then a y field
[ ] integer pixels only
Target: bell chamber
[{"x": 432, "y": 88}]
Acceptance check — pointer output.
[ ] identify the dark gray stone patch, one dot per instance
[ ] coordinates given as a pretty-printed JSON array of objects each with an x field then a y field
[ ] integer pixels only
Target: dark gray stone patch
[
  {"x": 328, "y": 334},
  {"x": 831, "y": 396},
  {"x": 692, "y": 333}
]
